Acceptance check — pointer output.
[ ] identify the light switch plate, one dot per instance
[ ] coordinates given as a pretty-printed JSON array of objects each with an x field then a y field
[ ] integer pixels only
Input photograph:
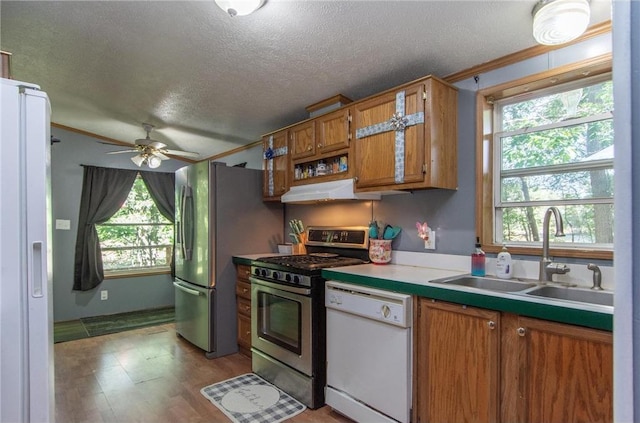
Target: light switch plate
[{"x": 63, "y": 224}]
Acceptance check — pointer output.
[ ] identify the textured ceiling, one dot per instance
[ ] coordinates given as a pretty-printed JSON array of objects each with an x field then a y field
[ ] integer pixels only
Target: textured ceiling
[{"x": 211, "y": 83}]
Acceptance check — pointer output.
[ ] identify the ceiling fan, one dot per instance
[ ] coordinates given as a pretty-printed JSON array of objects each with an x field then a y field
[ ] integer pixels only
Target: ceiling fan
[{"x": 152, "y": 152}]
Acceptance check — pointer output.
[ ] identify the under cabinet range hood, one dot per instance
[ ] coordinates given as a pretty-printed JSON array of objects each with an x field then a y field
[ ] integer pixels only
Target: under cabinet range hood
[{"x": 342, "y": 189}]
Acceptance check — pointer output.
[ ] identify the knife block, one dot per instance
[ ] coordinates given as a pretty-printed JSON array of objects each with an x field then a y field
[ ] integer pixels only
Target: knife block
[{"x": 300, "y": 247}]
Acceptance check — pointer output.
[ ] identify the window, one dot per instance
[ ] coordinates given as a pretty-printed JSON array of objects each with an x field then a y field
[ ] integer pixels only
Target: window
[
  {"x": 137, "y": 239},
  {"x": 552, "y": 146}
]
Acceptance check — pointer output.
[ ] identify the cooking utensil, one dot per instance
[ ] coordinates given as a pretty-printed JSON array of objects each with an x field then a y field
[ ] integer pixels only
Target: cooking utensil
[
  {"x": 373, "y": 229},
  {"x": 390, "y": 232}
]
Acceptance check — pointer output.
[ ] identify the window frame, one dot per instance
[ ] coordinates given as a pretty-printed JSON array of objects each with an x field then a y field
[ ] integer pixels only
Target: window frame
[
  {"x": 137, "y": 272},
  {"x": 485, "y": 164}
]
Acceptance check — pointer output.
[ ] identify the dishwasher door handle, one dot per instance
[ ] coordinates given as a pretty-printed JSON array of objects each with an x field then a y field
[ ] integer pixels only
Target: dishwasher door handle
[{"x": 187, "y": 290}]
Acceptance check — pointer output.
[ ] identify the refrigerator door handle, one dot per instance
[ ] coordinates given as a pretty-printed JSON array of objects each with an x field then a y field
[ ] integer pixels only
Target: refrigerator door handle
[
  {"x": 36, "y": 270},
  {"x": 186, "y": 212},
  {"x": 187, "y": 290},
  {"x": 179, "y": 227}
]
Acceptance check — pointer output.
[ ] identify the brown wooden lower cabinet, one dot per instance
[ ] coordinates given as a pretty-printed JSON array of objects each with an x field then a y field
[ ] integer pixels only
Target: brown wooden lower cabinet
[
  {"x": 457, "y": 366},
  {"x": 477, "y": 365},
  {"x": 564, "y": 372},
  {"x": 243, "y": 303}
]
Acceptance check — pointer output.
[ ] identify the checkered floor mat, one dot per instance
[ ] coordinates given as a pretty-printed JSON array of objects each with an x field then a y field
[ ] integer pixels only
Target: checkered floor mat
[{"x": 250, "y": 399}]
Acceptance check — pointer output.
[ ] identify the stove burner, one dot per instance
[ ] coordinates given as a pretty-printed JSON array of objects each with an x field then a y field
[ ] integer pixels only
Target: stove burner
[
  {"x": 324, "y": 254},
  {"x": 311, "y": 261}
]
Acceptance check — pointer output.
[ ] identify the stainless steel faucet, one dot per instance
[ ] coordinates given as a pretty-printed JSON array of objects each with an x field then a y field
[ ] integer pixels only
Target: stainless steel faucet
[
  {"x": 597, "y": 276},
  {"x": 547, "y": 267}
]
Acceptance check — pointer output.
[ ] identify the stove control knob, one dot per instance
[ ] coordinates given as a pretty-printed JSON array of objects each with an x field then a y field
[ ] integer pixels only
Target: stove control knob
[
  {"x": 256, "y": 271},
  {"x": 275, "y": 275},
  {"x": 385, "y": 311},
  {"x": 296, "y": 279},
  {"x": 263, "y": 272},
  {"x": 288, "y": 277}
]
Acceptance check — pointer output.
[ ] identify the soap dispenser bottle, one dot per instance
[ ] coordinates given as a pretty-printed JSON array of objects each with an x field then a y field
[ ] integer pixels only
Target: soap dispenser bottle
[
  {"x": 478, "y": 262},
  {"x": 504, "y": 267}
]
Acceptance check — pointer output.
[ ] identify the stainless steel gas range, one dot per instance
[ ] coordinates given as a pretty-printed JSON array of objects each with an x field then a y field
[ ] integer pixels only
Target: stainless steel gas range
[{"x": 288, "y": 316}]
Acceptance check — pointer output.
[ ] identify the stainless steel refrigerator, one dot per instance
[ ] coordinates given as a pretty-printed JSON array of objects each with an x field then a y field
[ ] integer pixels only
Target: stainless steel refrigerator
[
  {"x": 219, "y": 214},
  {"x": 26, "y": 325}
]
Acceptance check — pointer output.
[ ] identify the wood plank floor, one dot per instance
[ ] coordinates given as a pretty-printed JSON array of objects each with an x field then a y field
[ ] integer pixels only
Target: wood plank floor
[{"x": 146, "y": 375}]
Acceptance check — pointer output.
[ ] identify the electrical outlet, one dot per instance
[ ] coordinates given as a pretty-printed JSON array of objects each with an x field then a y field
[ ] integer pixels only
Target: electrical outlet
[
  {"x": 104, "y": 295},
  {"x": 430, "y": 244}
]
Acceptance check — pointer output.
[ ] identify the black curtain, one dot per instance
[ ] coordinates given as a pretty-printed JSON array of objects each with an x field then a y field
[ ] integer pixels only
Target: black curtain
[
  {"x": 161, "y": 186},
  {"x": 103, "y": 193}
]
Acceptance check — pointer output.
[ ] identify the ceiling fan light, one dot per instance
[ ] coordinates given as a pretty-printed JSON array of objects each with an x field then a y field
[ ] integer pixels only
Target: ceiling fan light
[
  {"x": 239, "y": 7},
  {"x": 560, "y": 21},
  {"x": 138, "y": 160},
  {"x": 154, "y": 162}
]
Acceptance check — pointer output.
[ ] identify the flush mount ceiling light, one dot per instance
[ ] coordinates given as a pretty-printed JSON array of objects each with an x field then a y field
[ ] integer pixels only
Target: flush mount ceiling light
[
  {"x": 239, "y": 7},
  {"x": 559, "y": 21}
]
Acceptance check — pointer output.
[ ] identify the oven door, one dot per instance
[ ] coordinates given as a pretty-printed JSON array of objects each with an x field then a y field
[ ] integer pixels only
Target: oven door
[{"x": 281, "y": 323}]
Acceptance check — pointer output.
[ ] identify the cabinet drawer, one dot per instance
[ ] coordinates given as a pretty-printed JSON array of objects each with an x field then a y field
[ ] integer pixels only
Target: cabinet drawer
[
  {"x": 243, "y": 289},
  {"x": 244, "y": 306},
  {"x": 244, "y": 271},
  {"x": 244, "y": 331}
]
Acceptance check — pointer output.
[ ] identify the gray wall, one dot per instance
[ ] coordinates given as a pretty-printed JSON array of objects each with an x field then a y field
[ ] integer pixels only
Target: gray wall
[{"x": 125, "y": 294}]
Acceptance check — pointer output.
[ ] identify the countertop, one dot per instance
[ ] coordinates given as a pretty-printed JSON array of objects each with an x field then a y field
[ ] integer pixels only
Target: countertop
[{"x": 415, "y": 280}]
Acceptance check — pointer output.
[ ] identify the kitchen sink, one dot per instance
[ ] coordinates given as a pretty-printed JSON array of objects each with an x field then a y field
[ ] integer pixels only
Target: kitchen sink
[
  {"x": 574, "y": 294},
  {"x": 485, "y": 283}
]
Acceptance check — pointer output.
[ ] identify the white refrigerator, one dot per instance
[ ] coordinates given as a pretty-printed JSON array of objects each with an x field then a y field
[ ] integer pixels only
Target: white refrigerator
[{"x": 26, "y": 316}]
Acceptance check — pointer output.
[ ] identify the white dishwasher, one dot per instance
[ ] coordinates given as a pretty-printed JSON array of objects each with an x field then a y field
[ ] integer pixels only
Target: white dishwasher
[{"x": 369, "y": 353}]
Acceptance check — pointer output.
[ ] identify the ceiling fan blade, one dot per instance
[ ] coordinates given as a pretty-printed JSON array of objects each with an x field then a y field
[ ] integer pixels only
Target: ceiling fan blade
[
  {"x": 157, "y": 145},
  {"x": 122, "y": 151},
  {"x": 161, "y": 156},
  {"x": 181, "y": 153}
]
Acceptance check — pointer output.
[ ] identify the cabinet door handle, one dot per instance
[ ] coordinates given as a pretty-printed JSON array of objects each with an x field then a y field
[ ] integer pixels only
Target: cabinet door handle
[
  {"x": 491, "y": 324},
  {"x": 521, "y": 331},
  {"x": 309, "y": 148},
  {"x": 319, "y": 145}
]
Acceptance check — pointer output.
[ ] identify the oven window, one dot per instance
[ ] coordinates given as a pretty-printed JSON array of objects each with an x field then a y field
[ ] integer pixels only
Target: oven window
[{"x": 279, "y": 320}]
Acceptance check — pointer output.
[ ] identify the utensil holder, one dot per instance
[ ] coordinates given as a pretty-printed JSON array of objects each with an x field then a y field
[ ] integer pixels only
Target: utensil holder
[
  {"x": 300, "y": 248},
  {"x": 380, "y": 251}
]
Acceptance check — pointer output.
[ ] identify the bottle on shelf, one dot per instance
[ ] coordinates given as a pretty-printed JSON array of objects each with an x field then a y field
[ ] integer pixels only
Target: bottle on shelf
[{"x": 321, "y": 168}]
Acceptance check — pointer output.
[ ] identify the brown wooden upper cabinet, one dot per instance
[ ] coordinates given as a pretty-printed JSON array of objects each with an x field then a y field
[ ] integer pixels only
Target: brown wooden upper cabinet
[
  {"x": 406, "y": 138},
  {"x": 276, "y": 165},
  {"x": 321, "y": 142},
  {"x": 303, "y": 140},
  {"x": 332, "y": 131}
]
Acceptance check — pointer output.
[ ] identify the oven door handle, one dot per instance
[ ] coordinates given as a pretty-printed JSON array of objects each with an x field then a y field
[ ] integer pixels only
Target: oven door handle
[{"x": 282, "y": 287}]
